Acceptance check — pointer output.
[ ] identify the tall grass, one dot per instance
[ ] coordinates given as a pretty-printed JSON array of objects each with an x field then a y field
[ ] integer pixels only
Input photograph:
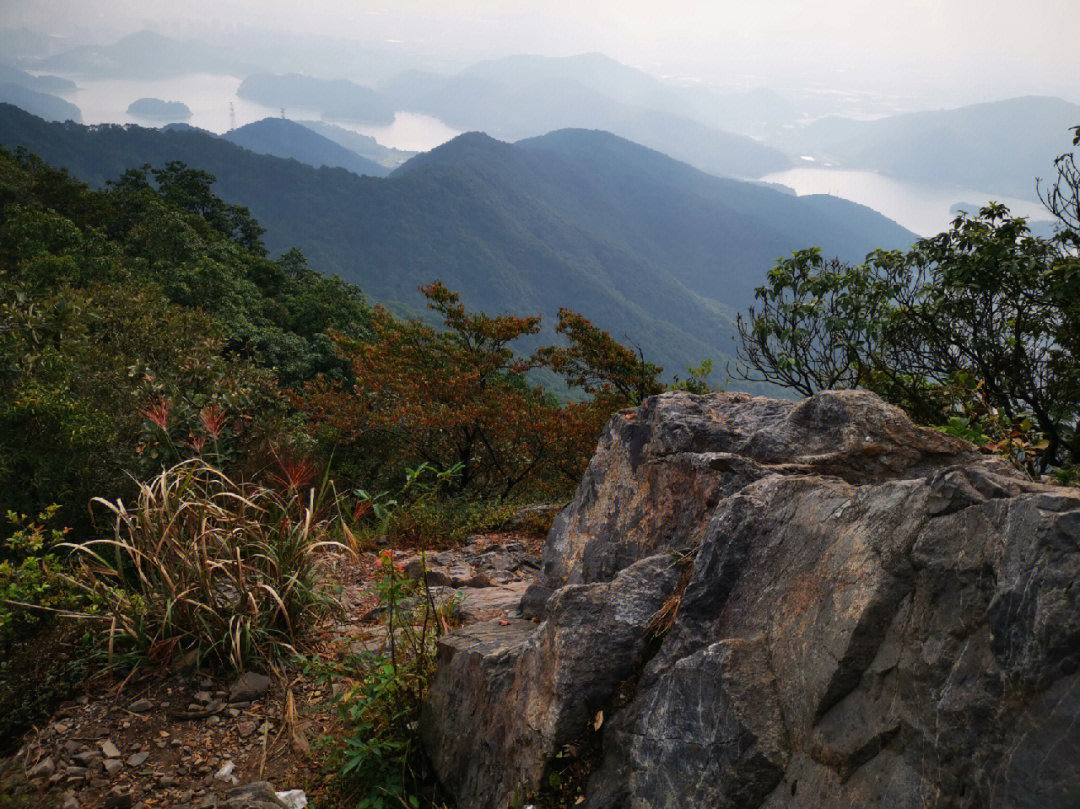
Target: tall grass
[{"x": 206, "y": 566}]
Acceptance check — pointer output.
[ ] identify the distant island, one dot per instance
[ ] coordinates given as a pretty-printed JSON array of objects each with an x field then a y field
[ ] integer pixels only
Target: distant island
[{"x": 156, "y": 108}]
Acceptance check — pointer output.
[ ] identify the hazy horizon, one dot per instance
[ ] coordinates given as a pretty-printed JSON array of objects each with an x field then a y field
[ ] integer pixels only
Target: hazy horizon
[{"x": 920, "y": 54}]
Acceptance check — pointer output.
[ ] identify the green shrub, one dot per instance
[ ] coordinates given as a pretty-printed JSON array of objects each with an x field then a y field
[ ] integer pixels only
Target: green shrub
[
  {"x": 380, "y": 756},
  {"x": 32, "y": 584},
  {"x": 208, "y": 566},
  {"x": 35, "y": 594},
  {"x": 426, "y": 512}
]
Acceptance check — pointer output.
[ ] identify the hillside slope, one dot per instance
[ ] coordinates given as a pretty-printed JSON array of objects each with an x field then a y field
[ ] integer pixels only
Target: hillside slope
[
  {"x": 650, "y": 249},
  {"x": 147, "y": 55},
  {"x": 283, "y": 138},
  {"x": 998, "y": 147},
  {"x": 525, "y": 96},
  {"x": 45, "y": 105}
]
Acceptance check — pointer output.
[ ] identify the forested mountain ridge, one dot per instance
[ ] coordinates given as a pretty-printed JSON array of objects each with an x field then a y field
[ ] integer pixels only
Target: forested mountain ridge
[
  {"x": 511, "y": 110},
  {"x": 45, "y": 105},
  {"x": 281, "y": 137},
  {"x": 648, "y": 248}
]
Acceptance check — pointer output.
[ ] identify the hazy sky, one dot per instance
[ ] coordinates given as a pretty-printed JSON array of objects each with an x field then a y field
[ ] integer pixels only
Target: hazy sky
[{"x": 990, "y": 48}]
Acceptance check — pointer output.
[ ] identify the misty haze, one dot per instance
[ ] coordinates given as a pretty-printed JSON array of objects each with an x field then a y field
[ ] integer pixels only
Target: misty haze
[{"x": 506, "y": 405}]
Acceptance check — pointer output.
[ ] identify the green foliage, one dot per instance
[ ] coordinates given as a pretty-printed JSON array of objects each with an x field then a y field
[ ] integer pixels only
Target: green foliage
[
  {"x": 816, "y": 323},
  {"x": 35, "y": 593},
  {"x": 152, "y": 291},
  {"x": 697, "y": 379},
  {"x": 33, "y": 585},
  {"x": 455, "y": 398},
  {"x": 593, "y": 361},
  {"x": 976, "y": 329},
  {"x": 425, "y": 512},
  {"x": 205, "y": 566},
  {"x": 382, "y": 761}
]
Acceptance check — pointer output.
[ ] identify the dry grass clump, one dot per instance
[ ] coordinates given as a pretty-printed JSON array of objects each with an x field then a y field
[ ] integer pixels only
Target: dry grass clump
[{"x": 206, "y": 566}]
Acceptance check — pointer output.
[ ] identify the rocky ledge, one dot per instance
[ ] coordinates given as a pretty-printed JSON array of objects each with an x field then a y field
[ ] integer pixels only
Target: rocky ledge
[{"x": 762, "y": 603}]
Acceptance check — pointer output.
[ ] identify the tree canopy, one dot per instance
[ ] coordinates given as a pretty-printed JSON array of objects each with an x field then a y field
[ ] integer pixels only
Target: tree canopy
[{"x": 976, "y": 329}]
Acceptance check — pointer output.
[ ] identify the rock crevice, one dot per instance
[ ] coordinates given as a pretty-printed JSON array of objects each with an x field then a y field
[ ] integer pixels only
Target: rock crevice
[{"x": 874, "y": 615}]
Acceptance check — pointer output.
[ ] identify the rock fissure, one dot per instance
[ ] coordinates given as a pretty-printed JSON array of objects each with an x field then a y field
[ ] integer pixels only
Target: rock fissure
[{"x": 869, "y": 614}]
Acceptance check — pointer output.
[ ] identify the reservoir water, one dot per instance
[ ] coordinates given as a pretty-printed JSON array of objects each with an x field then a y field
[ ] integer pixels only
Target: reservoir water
[
  {"x": 924, "y": 209},
  {"x": 208, "y": 96}
]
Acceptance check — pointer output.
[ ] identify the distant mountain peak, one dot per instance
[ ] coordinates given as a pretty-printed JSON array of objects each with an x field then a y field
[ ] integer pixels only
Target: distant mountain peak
[{"x": 281, "y": 137}]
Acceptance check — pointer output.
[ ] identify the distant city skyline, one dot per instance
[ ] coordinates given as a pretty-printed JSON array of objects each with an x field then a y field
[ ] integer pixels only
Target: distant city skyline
[{"x": 956, "y": 51}]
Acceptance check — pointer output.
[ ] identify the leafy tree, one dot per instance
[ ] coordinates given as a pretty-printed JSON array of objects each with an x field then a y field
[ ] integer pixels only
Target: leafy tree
[
  {"x": 696, "y": 380},
  {"x": 458, "y": 397},
  {"x": 117, "y": 302},
  {"x": 816, "y": 324},
  {"x": 188, "y": 189},
  {"x": 977, "y": 328},
  {"x": 451, "y": 398},
  {"x": 593, "y": 361}
]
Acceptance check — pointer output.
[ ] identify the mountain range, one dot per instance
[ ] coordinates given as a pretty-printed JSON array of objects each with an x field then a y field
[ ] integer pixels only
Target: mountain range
[
  {"x": 332, "y": 98},
  {"x": 995, "y": 148},
  {"x": 998, "y": 147},
  {"x": 363, "y": 145},
  {"x": 647, "y": 247},
  {"x": 147, "y": 55},
  {"x": 283, "y": 138},
  {"x": 45, "y": 105},
  {"x": 524, "y": 96}
]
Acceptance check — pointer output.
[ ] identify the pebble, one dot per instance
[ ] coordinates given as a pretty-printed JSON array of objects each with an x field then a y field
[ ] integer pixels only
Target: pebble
[
  {"x": 293, "y": 798},
  {"x": 43, "y": 769},
  {"x": 70, "y": 801},
  {"x": 109, "y": 749},
  {"x": 113, "y": 765},
  {"x": 141, "y": 705},
  {"x": 86, "y": 758},
  {"x": 118, "y": 800},
  {"x": 203, "y": 697},
  {"x": 137, "y": 759},
  {"x": 248, "y": 686}
]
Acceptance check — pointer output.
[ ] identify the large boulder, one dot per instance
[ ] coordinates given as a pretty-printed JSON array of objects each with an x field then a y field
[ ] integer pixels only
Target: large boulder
[{"x": 762, "y": 603}]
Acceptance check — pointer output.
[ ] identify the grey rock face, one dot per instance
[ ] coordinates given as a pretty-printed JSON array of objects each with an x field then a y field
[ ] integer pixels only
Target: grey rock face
[{"x": 780, "y": 604}]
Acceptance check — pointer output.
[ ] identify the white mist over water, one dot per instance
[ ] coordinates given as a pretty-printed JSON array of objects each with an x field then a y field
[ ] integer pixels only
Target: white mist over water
[
  {"x": 411, "y": 131},
  {"x": 923, "y": 209},
  {"x": 208, "y": 95}
]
